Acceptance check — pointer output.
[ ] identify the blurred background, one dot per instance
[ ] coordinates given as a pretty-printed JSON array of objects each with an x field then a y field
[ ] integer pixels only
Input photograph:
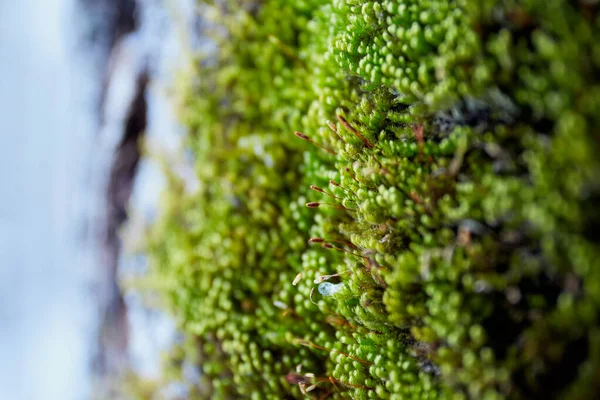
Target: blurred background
[{"x": 82, "y": 82}]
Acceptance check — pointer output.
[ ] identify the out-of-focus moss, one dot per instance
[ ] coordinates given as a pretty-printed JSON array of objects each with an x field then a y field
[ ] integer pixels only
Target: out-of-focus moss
[{"x": 447, "y": 155}]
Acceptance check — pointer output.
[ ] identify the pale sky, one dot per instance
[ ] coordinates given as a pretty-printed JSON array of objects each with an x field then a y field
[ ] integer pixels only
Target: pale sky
[
  {"x": 45, "y": 320},
  {"x": 50, "y": 146}
]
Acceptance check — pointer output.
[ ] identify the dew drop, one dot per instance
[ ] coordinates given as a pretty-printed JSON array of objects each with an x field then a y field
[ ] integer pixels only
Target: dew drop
[{"x": 329, "y": 289}]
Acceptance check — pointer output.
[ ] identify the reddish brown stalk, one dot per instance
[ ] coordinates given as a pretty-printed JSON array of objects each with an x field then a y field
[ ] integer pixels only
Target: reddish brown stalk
[
  {"x": 330, "y": 246},
  {"x": 334, "y": 183},
  {"x": 351, "y": 174},
  {"x": 355, "y": 132},
  {"x": 344, "y": 242},
  {"x": 333, "y": 380},
  {"x": 321, "y": 240},
  {"x": 322, "y": 278},
  {"x": 332, "y": 126},
  {"x": 318, "y": 189},
  {"x": 339, "y": 321},
  {"x": 309, "y": 382},
  {"x": 308, "y": 139},
  {"x": 316, "y": 204}
]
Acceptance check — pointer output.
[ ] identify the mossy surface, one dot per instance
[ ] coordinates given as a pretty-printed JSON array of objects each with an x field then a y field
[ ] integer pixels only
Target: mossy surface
[{"x": 445, "y": 164}]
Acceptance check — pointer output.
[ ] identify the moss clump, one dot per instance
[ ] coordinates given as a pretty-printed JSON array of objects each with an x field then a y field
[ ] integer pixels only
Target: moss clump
[{"x": 444, "y": 169}]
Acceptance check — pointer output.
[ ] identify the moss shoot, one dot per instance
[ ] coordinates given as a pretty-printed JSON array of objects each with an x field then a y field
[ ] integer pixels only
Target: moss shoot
[{"x": 397, "y": 199}]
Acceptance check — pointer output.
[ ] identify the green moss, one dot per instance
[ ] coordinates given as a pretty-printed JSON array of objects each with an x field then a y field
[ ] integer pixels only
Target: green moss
[{"x": 455, "y": 176}]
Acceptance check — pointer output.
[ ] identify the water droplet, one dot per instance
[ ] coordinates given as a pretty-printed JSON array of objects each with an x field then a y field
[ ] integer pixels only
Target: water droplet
[{"x": 329, "y": 289}]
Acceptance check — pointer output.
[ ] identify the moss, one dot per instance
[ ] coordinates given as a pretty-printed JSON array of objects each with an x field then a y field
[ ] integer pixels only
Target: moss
[{"x": 444, "y": 164}]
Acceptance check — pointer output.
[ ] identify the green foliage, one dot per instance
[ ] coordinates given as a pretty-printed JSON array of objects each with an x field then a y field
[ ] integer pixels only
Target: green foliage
[{"x": 451, "y": 147}]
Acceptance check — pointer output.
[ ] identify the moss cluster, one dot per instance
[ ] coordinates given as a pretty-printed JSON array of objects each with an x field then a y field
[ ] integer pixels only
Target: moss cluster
[{"x": 397, "y": 199}]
